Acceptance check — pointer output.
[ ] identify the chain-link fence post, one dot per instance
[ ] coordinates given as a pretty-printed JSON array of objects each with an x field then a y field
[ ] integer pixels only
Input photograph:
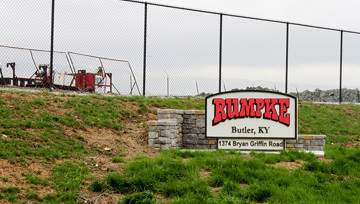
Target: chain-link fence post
[
  {"x": 220, "y": 50},
  {"x": 52, "y": 44},
  {"x": 287, "y": 59},
  {"x": 145, "y": 38},
  {"x": 341, "y": 56}
]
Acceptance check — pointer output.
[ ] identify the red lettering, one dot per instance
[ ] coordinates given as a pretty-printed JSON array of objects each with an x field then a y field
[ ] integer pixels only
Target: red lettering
[
  {"x": 247, "y": 107},
  {"x": 270, "y": 111},
  {"x": 220, "y": 114},
  {"x": 229, "y": 109},
  {"x": 284, "y": 118},
  {"x": 259, "y": 105},
  {"x": 232, "y": 107}
]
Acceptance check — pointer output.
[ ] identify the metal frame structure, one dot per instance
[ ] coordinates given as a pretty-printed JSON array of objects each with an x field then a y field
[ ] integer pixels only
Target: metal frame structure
[
  {"x": 288, "y": 24},
  {"x": 31, "y": 81},
  {"x": 135, "y": 84}
]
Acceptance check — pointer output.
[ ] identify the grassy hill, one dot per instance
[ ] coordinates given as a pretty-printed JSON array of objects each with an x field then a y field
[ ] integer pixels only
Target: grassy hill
[{"x": 77, "y": 149}]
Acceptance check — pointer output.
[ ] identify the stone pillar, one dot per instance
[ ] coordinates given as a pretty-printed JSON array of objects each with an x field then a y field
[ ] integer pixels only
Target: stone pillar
[{"x": 164, "y": 134}]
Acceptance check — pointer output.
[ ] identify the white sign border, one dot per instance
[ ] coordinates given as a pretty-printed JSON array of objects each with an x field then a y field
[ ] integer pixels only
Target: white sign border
[{"x": 258, "y": 91}]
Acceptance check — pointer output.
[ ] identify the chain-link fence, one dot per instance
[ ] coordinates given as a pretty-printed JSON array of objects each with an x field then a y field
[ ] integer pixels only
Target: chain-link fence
[{"x": 137, "y": 48}]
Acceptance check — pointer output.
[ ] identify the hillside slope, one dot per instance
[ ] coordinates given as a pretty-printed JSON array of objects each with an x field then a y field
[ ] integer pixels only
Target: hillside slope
[
  {"x": 42, "y": 129},
  {"x": 45, "y": 138}
]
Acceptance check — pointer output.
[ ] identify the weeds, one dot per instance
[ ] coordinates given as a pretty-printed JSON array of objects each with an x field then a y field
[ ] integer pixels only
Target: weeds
[
  {"x": 10, "y": 193},
  {"x": 5, "y": 179},
  {"x": 80, "y": 137},
  {"x": 118, "y": 159},
  {"x": 10, "y": 190},
  {"x": 33, "y": 196},
  {"x": 139, "y": 198},
  {"x": 33, "y": 179},
  {"x": 173, "y": 177},
  {"x": 34, "y": 133},
  {"x": 68, "y": 178}
]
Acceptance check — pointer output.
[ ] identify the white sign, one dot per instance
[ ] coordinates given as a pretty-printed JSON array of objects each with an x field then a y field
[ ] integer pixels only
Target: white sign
[
  {"x": 251, "y": 144},
  {"x": 252, "y": 115}
]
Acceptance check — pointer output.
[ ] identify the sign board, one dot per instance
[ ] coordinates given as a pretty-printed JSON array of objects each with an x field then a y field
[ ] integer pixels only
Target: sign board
[
  {"x": 252, "y": 144},
  {"x": 251, "y": 115}
]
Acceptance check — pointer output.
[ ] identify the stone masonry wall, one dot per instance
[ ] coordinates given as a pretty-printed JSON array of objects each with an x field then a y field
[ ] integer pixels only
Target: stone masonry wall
[
  {"x": 185, "y": 129},
  {"x": 307, "y": 142},
  {"x": 194, "y": 131}
]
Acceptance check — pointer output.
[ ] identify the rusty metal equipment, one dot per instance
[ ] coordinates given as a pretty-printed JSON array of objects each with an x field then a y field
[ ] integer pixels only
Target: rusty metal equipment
[
  {"x": 41, "y": 76},
  {"x": 12, "y": 65},
  {"x": 76, "y": 80},
  {"x": 15, "y": 80},
  {"x": 134, "y": 84},
  {"x": 2, "y": 82}
]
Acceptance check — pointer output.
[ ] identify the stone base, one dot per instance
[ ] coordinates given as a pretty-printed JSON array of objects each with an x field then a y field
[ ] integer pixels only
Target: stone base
[{"x": 177, "y": 129}]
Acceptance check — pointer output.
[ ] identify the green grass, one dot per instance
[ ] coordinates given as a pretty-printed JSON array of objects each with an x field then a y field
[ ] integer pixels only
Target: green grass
[
  {"x": 34, "y": 133},
  {"x": 118, "y": 159},
  {"x": 173, "y": 177},
  {"x": 48, "y": 141},
  {"x": 48, "y": 144},
  {"x": 33, "y": 196},
  {"x": 141, "y": 197},
  {"x": 33, "y": 179},
  {"x": 10, "y": 193},
  {"x": 5, "y": 179},
  {"x": 67, "y": 179},
  {"x": 339, "y": 122}
]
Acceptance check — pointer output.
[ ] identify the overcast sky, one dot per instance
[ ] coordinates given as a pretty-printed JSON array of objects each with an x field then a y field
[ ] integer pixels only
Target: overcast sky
[
  {"x": 185, "y": 45},
  {"x": 325, "y": 13}
]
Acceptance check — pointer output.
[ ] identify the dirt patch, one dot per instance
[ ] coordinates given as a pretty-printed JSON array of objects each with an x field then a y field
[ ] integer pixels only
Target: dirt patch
[
  {"x": 354, "y": 144},
  {"x": 324, "y": 159},
  {"x": 243, "y": 185},
  {"x": 247, "y": 156},
  {"x": 135, "y": 141},
  {"x": 204, "y": 174},
  {"x": 216, "y": 190},
  {"x": 163, "y": 199},
  {"x": 152, "y": 116},
  {"x": 11, "y": 175},
  {"x": 15, "y": 172},
  {"x": 103, "y": 164},
  {"x": 15, "y": 175},
  {"x": 185, "y": 160},
  {"x": 99, "y": 198},
  {"x": 289, "y": 165}
]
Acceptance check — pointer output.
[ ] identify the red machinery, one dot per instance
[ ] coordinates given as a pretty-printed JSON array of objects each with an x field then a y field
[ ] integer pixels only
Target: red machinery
[
  {"x": 99, "y": 82},
  {"x": 93, "y": 82},
  {"x": 85, "y": 80}
]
